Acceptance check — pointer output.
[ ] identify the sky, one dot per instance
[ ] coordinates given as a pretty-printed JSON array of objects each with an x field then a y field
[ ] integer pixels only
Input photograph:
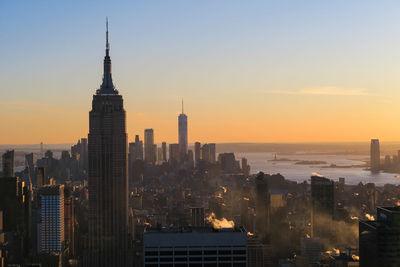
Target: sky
[{"x": 248, "y": 71}]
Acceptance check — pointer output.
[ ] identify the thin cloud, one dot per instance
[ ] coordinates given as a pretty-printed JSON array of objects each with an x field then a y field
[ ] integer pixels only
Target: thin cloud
[
  {"x": 38, "y": 107},
  {"x": 325, "y": 90}
]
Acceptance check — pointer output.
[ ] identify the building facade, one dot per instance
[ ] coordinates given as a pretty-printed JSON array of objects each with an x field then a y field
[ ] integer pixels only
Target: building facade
[
  {"x": 149, "y": 152},
  {"x": 375, "y": 157},
  {"x": 195, "y": 247},
  {"x": 108, "y": 181},
  {"x": 51, "y": 227}
]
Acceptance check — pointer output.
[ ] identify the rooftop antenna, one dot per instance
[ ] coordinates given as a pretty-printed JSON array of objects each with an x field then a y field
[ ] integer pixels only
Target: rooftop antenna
[
  {"x": 107, "y": 44},
  {"x": 182, "y": 106}
]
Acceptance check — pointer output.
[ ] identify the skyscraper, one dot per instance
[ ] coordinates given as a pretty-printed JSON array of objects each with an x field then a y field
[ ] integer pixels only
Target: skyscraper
[
  {"x": 164, "y": 151},
  {"x": 108, "y": 181},
  {"x": 322, "y": 198},
  {"x": 197, "y": 153},
  {"x": 51, "y": 234},
  {"x": 183, "y": 135},
  {"x": 379, "y": 240},
  {"x": 375, "y": 155},
  {"x": 138, "y": 148},
  {"x": 149, "y": 152},
  {"x": 8, "y": 163}
]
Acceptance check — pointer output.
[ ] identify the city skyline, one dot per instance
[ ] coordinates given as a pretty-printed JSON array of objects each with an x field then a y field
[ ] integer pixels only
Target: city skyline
[{"x": 269, "y": 73}]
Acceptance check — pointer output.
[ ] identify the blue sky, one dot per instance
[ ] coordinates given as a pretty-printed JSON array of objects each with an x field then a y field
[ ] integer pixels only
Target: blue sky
[{"x": 229, "y": 60}]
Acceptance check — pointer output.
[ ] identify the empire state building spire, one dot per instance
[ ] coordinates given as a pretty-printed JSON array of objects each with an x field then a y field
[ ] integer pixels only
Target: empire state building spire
[{"x": 107, "y": 87}]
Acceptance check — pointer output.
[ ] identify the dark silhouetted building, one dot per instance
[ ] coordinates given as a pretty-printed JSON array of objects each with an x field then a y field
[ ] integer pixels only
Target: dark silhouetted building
[
  {"x": 138, "y": 148},
  {"x": 322, "y": 197},
  {"x": 8, "y": 163},
  {"x": 183, "y": 135},
  {"x": 197, "y": 153},
  {"x": 379, "y": 240},
  {"x": 262, "y": 206},
  {"x": 375, "y": 158},
  {"x": 164, "y": 151},
  {"x": 195, "y": 247},
  {"x": 149, "y": 152},
  {"x": 173, "y": 153},
  {"x": 108, "y": 181}
]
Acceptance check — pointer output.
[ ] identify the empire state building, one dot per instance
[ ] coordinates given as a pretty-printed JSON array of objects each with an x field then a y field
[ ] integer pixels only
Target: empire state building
[{"x": 108, "y": 180}]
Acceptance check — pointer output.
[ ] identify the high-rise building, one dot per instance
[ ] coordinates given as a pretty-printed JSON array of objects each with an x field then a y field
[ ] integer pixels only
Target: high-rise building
[
  {"x": 51, "y": 233},
  {"x": 29, "y": 164},
  {"x": 213, "y": 152},
  {"x": 173, "y": 153},
  {"x": 8, "y": 163},
  {"x": 138, "y": 148},
  {"x": 69, "y": 222},
  {"x": 183, "y": 135},
  {"x": 322, "y": 212},
  {"x": 197, "y": 153},
  {"x": 149, "y": 153},
  {"x": 164, "y": 151},
  {"x": 205, "y": 153},
  {"x": 375, "y": 158},
  {"x": 108, "y": 181},
  {"x": 159, "y": 155},
  {"x": 83, "y": 159},
  {"x": 195, "y": 247},
  {"x": 379, "y": 240},
  {"x": 262, "y": 210}
]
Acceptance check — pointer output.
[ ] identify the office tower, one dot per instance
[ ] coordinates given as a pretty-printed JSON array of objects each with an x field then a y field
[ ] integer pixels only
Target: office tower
[
  {"x": 149, "y": 155},
  {"x": 155, "y": 153},
  {"x": 197, "y": 216},
  {"x": 379, "y": 240},
  {"x": 51, "y": 233},
  {"x": 173, "y": 153},
  {"x": 183, "y": 135},
  {"x": 41, "y": 176},
  {"x": 228, "y": 162},
  {"x": 197, "y": 153},
  {"x": 375, "y": 158},
  {"x": 311, "y": 249},
  {"x": 164, "y": 151},
  {"x": 132, "y": 152},
  {"x": 190, "y": 156},
  {"x": 159, "y": 154},
  {"x": 205, "y": 153},
  {"x": 108, "y": 181},
  {"x": 29, "y": 164},
  {"x": 8, "y": 163},
  {"x": 213, "y": 152},
  {"x": 245, "y": 167},
  {"x": 322, "y": 198},
  {"x": 11, "y": 190},
  {"x": 138, "y": 148},
  {"x": 195, "y": 247},
  {"x": 41, "y": 149},
  {"x": 83, "y": 159},
  {"x": 69, "y": 222},
  {"x": 262, "y": 210}
]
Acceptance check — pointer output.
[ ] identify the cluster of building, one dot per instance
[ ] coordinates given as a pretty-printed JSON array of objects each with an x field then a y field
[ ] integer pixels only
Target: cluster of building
[
  {"x": 390, "y": 163},
  {"x": 109, "y": 203}
]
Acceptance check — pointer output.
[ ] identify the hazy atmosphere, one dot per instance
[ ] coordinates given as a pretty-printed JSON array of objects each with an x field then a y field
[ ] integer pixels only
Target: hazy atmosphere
[{"x": 258, "y": 71}]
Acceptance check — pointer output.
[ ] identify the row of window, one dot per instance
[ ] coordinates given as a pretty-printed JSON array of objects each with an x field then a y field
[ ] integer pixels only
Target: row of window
[
  {"x": 213, "y": 259},
  {"x": 195, "y": 252},
  {"x": 235, "y": 264}
]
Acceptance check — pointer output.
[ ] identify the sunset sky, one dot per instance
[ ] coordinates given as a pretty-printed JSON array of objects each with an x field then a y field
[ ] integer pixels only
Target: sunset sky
[{"x": 248, "y": 71}]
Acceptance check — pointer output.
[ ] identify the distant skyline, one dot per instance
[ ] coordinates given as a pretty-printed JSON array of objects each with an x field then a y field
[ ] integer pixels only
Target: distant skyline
[{"x": 256, "y": 71}]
